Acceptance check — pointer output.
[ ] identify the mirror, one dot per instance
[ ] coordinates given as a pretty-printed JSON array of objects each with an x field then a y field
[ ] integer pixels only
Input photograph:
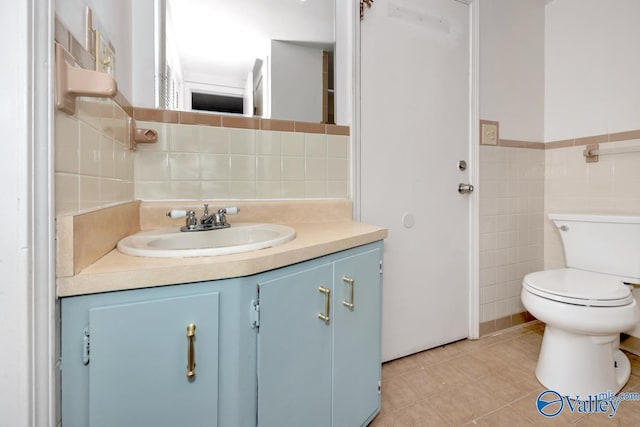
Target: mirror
[{"x": 266, "y": 58}]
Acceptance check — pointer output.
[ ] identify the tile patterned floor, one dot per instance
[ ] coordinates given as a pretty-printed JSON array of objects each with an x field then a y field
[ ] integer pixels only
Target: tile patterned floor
[{"x": 488, "y": 382}]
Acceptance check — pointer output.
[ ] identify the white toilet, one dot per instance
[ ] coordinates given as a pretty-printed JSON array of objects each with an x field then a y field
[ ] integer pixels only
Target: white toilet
[{"x": 587, "y": 305}]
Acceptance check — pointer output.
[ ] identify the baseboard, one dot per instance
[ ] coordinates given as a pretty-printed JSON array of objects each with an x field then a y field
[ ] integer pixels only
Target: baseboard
[{"x": 506, "y": 322}]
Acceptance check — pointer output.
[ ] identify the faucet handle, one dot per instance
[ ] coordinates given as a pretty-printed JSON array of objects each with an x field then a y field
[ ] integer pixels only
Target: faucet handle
[
  {"x": 206, "y": 209},
  {"x": 176, "y": 213},
  {"x": 230, "y": 210}
]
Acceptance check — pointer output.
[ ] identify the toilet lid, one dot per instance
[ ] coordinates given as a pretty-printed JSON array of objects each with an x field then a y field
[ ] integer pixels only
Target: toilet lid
[{"x": 579, "y": 287}]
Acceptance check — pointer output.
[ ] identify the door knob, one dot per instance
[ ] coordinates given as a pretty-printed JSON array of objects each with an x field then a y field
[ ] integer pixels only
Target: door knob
[{"x": 465, "y": 188}]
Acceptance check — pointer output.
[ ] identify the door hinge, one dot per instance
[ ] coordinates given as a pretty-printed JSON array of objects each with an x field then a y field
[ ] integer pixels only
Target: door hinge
[
  {"x": 255, "y": 314},
  {"x": 379, "y": 387},
  {"x": 380, "y": 266},
  {"x": 86, "y": 344}
]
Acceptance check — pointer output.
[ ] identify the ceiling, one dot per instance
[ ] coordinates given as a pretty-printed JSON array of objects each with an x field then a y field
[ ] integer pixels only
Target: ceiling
[{"x": 223, "y": 37}]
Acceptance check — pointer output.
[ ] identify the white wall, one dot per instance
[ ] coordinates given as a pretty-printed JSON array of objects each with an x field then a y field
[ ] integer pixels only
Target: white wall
[
  {"x": 113, "y": 18},
  {"x": 143, "y": 63},
  {"x": 512, "y": 67},
  {"x": 16, "y": 373},
  {"x": 296, "y": 82},
  {"x": 345, "y": 20},
  {"x": 592, "y": 68}
]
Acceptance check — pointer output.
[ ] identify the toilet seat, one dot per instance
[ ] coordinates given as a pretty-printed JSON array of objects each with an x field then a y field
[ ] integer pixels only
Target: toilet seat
[{"x": 579, "y": 287}]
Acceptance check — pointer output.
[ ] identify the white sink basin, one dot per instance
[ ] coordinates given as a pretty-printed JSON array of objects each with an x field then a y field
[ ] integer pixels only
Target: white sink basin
[{"x": 173, "y": 243}]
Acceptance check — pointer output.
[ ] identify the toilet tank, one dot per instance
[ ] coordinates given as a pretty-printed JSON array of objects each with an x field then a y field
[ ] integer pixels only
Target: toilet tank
[{"x": 602, "y": 243}]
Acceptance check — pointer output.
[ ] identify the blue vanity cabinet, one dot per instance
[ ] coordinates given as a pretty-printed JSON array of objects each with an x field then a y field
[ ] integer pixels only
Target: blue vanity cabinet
[
  {"x": 294, "y": 350},
  {"x": 356, "y": 339},
  {"x": 319, "y": 363},
  {"x": 287, "y": 347},
  {"x": 125, "y": 357},
  {"x": 139, "y": 370}
]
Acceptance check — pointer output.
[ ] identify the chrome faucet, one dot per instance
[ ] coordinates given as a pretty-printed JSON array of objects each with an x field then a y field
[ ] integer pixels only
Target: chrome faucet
[{"x": 208, "y": 221}]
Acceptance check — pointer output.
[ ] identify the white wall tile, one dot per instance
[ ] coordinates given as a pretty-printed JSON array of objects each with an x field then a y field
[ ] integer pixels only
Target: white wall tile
[
  {"x": 269, "y": 143},
  {"x": 268, "y": 190},
  {"x": 268, "y": 168},
  {"x": 214, "y": 140},
  {"x": 242, "y": 189},
  {"x": 272, "y": 164},
  {"x": 338, "y": 189},
  {"x": 89, "y": 147},
  {"x": 67, "y": 137},
  {"x": 214, "y": 167},
  {"x": 107, "y": 157},
  {"x": 242, "y": 168},
  {"x": 511, "y": 218},
  {"x": 184, "y": 166},
  {"x": 89, "y": 192},
  {"x": 93, "y": 167},
  {"x": 152, "y": 166},
  {"x": 293, "y": 189},
  {"x": 293, "y": 144},
  {"x": 184, "y": 138},
  {"x": 67, "y": 193},
  {"x": 293, "y": 168},
  {"x": 185, "y": 189},
  {"x": 338, "y": 146},
  {"x": 316, "y": 145},
  {"x": 153, "y": 190},
  {"x": 338, "y": 169},
  {"x": 608, "y": 187},
  {"x": 242, "y": 141},
  {"x": 316, "y": 169},
  {"x": 315, "y": 189},
  {"x": 214, "y": 190}
]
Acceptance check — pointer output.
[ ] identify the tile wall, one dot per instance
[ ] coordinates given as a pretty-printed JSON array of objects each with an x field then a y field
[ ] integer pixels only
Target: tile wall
[
  {"x": 212, "y": 162},
  {"x": 609, "y": 186},
  {"x": 93, "y": 164},
  {"x": 511, "y": 229}
]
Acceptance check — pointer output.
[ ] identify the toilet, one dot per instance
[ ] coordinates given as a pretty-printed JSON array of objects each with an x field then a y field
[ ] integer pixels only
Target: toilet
[{"x": 587, "y": 305}]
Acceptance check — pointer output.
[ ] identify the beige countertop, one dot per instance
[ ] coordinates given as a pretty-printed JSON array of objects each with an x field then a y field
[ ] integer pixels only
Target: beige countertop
[{"x": 116, "y": 271}]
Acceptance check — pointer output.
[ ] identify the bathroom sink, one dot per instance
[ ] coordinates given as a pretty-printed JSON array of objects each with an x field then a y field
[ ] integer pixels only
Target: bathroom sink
[{"x": 173, "y": 243}]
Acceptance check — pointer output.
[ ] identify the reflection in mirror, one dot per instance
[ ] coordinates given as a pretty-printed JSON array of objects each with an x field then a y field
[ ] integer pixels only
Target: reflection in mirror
[{"x": 266, "y": 58}]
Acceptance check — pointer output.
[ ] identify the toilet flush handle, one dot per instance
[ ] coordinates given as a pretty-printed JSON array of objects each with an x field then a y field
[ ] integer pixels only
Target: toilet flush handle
[{"x": 563, "y": 228}]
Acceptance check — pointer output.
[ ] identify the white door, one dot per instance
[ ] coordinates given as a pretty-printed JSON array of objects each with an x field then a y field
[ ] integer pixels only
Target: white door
[{"x": 415, "y": 109}]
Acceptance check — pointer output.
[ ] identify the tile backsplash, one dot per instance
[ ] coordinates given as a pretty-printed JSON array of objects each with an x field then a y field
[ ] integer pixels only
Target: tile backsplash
[
  {"x": 93, "y": 164},
  {"x": 210, "y": 162}
]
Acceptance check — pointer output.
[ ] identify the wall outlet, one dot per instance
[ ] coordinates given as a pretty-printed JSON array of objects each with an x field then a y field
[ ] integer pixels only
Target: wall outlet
[{"x": 489, "y": 132}]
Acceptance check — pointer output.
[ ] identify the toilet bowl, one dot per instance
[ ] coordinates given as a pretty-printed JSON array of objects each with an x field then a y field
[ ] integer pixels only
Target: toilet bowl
[{"x": 587, "y": 305}]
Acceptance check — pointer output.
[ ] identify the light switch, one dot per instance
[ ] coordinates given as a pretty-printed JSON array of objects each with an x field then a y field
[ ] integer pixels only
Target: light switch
[{"x": 488, "y": 132}]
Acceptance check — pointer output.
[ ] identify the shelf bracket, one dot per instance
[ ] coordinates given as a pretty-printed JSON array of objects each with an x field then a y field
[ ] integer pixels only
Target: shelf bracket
[{"x": 72, "y": 82}]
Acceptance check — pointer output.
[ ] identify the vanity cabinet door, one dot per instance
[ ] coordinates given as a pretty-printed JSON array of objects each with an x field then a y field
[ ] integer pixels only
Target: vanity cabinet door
[
  {"x": 356, "y": 340},
  {"x": 139, "y": 362},
  {"x": 294, "y": 350}
]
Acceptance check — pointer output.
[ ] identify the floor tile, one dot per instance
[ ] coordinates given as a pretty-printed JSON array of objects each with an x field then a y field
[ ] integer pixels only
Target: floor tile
[
  {"x": 504, "y": 417},
  {"x": 397, "y": 394},
  {"x": 463, "y": 404},
  {"x": 420, "y": 414},
  {"x": 487, "y": 382}
]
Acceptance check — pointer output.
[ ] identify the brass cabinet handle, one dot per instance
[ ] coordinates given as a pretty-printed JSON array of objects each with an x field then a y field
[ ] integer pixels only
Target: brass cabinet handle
[
  {"x": 326, "y": 316},
  {"x": 349, "y": 281},
  {"x": 191, "y": 354}
]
